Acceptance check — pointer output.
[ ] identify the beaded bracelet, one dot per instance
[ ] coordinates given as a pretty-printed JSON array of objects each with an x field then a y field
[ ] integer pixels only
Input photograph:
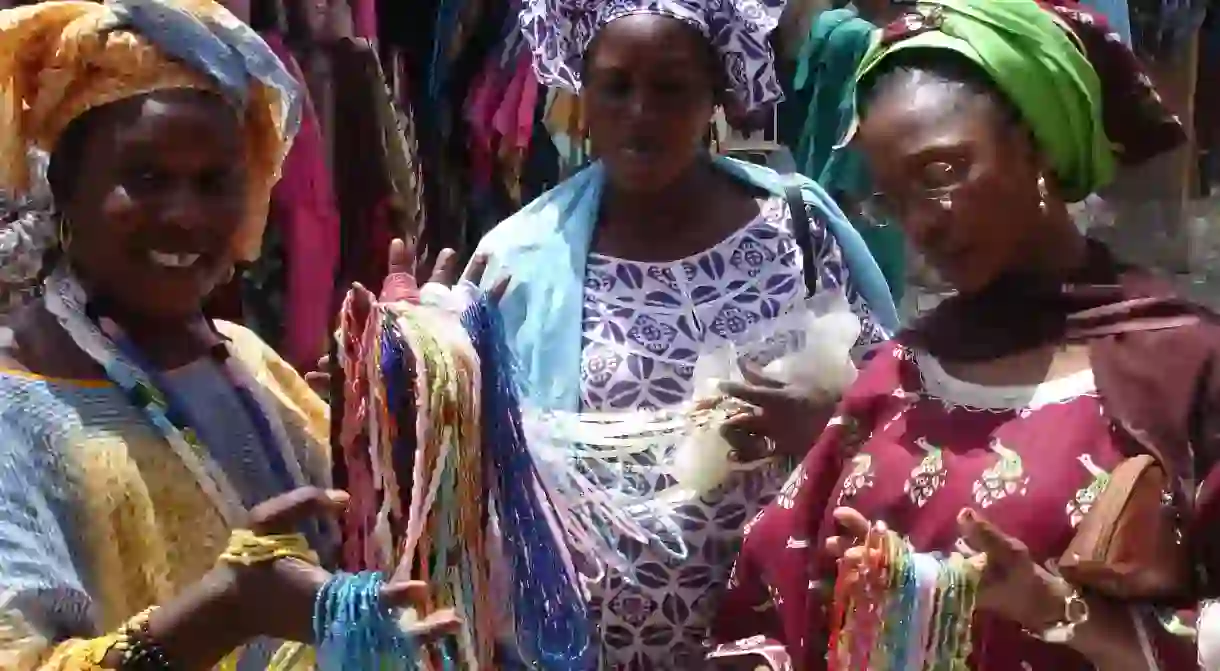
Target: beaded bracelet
[
  {"x": 138, "y": 651},
  {"x": 246, "y": 548},
  {"x": 354, "y": 629},
  {"x": 899, "y": 609}
]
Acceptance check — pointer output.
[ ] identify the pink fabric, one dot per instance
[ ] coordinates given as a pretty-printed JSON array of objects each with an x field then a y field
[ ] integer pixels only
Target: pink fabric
[
  {"x": 359, "y": 517},
  {"x": 480, "y": 114},
  {"x": 304, "y": 204},
  {"x": 505, "y": 119},
  {"x": 526, "y": 110},
  {"x": 898, "y": 453},
  {"x": 364, "y": 18}
]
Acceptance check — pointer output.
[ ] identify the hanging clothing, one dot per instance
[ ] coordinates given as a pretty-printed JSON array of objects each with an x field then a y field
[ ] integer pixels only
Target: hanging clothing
[
  {"x": 826, "y": 67},
  {"x": 303, "y": 209},
  {"x": 825, "y": 93},
  {"x": 364, "y": 187},
  {"x": 364, "y": 18}
]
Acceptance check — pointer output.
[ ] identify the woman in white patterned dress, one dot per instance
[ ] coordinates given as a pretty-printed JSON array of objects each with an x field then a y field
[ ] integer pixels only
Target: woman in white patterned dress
[{"x": 625, "y": 273}]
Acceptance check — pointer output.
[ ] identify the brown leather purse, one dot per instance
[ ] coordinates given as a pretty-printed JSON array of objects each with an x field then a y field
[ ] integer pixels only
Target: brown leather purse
[{"x": 1129, "y": 546}]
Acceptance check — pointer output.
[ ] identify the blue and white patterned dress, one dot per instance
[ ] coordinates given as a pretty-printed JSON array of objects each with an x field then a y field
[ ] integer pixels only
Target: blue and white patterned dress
[{"x": 645, "y": 324}]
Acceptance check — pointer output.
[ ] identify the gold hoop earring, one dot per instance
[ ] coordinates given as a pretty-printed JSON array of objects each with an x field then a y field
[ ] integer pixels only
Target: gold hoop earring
[
  {"x": 1042, "y": 193},
  {"x": 65, "y": 234}
]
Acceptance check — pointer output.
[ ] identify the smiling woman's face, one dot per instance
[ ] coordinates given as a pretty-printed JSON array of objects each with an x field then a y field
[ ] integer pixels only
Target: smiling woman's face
[
  {"x": 153, "y": 198},
  {"x": 954, "y": 168}
]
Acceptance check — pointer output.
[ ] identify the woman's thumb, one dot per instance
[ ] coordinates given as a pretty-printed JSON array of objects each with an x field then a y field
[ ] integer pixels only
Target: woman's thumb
[{"x": 284, "y": 513}]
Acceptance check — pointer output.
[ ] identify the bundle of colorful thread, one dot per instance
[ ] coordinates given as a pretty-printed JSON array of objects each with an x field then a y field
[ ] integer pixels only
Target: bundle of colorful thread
[
  {"x": 901, "y": 610},
  {"x": 433, "y": 456}
]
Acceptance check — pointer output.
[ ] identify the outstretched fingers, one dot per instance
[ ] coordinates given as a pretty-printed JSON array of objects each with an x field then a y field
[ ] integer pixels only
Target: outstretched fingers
[{"x": 283, "y": 514}]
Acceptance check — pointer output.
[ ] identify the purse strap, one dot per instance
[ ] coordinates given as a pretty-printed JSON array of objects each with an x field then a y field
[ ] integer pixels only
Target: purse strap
[{"x": 803, "y": 232}]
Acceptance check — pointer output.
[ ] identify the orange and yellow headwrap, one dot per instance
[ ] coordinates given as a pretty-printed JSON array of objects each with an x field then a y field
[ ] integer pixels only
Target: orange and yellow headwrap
[{"x": 61, "y": 59}]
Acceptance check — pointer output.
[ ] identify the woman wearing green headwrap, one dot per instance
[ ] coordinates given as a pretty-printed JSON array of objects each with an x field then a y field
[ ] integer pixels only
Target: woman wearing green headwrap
[{"x": 992, "y": 426}]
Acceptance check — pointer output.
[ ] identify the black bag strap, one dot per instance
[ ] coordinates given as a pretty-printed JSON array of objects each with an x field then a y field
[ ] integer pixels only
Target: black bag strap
[{"x": 802, "y": 231}]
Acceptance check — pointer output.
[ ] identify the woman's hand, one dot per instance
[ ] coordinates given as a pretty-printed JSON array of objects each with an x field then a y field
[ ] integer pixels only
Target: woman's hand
[
  {"x": 786, "y": 421},
  {"x": 276, "y": 599},
  {"x": 233, "y": 604},
  {"x": 404, "y": 260},
  {"x": 1012, "y": 585}
]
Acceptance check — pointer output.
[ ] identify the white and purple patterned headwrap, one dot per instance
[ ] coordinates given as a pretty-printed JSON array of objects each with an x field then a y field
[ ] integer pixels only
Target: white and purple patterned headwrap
[{"x": 559, "y": 32}]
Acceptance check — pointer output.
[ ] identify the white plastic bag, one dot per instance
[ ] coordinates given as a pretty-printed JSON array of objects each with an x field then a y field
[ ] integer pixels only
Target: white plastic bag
[
  {"x": 808, "y": 349},
  {"x": 702, "y": 459},
  {"x": 823, "y": 365}
]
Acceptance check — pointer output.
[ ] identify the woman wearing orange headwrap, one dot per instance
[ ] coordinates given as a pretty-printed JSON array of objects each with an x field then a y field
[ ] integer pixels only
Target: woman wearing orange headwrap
[{"x": 135, "y": 434}]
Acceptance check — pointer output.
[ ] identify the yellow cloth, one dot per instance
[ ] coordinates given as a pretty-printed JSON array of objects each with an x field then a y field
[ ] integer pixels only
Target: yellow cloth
[
  {"x": 61, "y": 59},
  {"x": 146, "y": 531},
  {"x": 247, "y": 548}
]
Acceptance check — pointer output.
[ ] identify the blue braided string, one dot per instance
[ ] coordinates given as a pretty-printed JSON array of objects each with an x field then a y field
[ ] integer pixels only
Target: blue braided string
[
  {"x": 551, "y": 617},
  {"x": 353, "y": 630}
]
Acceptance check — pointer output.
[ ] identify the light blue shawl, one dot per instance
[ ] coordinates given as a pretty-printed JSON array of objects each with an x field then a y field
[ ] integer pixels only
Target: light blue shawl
[{"x": 544, "y": 248}]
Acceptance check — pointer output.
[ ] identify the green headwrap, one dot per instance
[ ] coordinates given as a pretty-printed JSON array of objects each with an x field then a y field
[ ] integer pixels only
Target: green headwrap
[{"x": 1036, "y": 62}]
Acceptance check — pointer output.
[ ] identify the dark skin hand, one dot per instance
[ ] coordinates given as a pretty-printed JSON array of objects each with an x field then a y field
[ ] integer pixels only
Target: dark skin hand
[
  {"x": 405, "y": 260},
  {"x": 791, "y": 419},
  {"x": 233, "y": 604},
  {"x": 1015, "y": 587}
]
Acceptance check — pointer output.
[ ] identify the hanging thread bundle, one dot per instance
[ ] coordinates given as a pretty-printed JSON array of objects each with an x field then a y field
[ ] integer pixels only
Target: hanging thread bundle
[
  {"x": 412, "y": 444},
  {"x": 902, "y": 610},
  {"x": 354, "y": 630},
  {"x": 551, "y": 621},
  {"x": 599, "y": 468}
]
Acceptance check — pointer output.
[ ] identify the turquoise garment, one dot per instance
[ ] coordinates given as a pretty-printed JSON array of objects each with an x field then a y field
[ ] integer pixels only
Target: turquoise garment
[
  {"x": 837, "y": 43},
  {"x": 1117, "y": 14},
  {"x": 825, "y": 86},
  {"x": 545, "y": 247}
]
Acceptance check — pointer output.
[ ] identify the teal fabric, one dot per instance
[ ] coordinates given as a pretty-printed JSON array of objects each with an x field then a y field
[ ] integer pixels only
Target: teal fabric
[
  {"x": 837, "y": 43},
  {"x": 544, "y": 248},
  {"x": 824, "y": 88},
  {"x": 889, "y": 247}
]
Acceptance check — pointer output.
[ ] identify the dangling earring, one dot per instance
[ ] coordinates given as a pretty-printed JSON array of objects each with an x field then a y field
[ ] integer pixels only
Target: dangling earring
[
  {"x": 1042, "y": 194},
  {"x": 945, "y": 201},
  {"x": 65, "y": 234}
]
